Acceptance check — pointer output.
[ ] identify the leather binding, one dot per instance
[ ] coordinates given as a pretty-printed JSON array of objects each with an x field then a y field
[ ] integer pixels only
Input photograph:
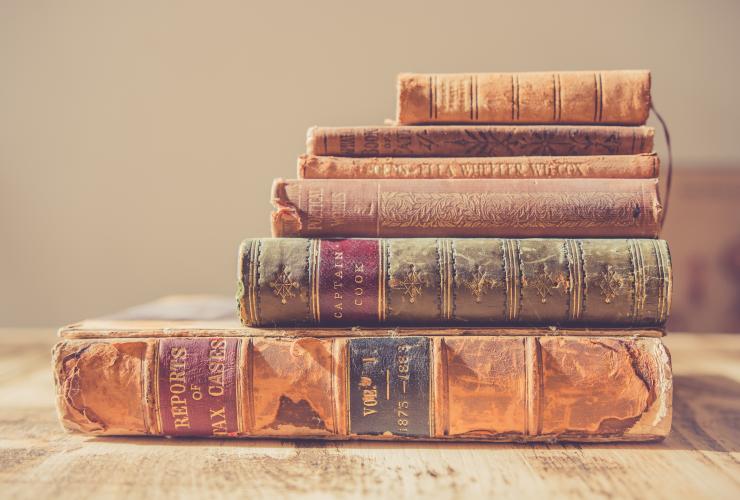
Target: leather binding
[
  {"x": 599, "y": 97},
  {"x": 466, "y": 208},
  {"x": 518, "y": 167},
  {"x": 426, "y": 281},
  {"x": 479, "y": 140},
  {"x": 482, "y": 388}
]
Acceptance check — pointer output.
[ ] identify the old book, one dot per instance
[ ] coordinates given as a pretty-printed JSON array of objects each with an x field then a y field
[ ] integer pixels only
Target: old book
[
  {"x": 128, "y": 378},
  {"x": 479, "y": 140},
  {"x": 291, "y": 281},
  {"x": 466, "y": 207},
  {"x": 608, "y": 97},
  {"x": 516, "y": 167}
]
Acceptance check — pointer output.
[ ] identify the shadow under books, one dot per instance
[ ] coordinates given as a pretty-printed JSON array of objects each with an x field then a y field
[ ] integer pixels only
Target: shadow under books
[{"x": 706, "y": 410}]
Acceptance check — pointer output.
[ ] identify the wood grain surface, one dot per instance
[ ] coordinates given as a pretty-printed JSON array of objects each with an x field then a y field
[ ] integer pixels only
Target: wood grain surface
[{"x": 699, "y": 459}]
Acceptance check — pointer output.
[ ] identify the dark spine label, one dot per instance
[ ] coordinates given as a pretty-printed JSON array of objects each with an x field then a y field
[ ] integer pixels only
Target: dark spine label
[
  {"x": 348, "y": 281},
  {"x": 389, "y": 386},
  {"x": 197, "y": 388}
]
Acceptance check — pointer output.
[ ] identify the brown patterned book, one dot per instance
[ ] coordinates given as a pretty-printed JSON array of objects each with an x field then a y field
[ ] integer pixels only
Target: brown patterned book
[
  {"x": 232, "y": 382},
  {"x": 516, "y": 167},
  {"x": 425, "y": 281},
  {"x": 466, "y": 208},
  {"x": 606, "y": 97},
  {"x": 479, "y": 140}
]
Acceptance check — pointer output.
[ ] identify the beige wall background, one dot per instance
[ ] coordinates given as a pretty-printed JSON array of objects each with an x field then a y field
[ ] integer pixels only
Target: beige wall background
[{"x": 138, "y": 139}]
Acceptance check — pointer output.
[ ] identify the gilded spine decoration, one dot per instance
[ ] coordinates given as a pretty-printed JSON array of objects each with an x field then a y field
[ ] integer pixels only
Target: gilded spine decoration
[
  {"x": 516, "y": 210},
  {"x": 371, "y": 387},
  {"x": 608, "y": 97},
  {"x": 478, "y": 141},
  {"x": 466, "y": 208},
  {"x": 429, "y": 281},
  {"x": 519, "y": 167}
]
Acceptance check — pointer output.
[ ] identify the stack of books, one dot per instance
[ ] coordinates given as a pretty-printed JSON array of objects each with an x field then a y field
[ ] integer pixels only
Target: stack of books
[{"x": 487, "y": 268}]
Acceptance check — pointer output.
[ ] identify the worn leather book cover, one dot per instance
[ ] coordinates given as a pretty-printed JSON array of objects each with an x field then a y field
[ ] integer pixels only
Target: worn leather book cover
[
  {"x": 516, "y": 167},
  {"x": 206, "y": 378},
  {"x": 479, "y": 140},
  {"x": 466, "y": 208},
  {"x": 603, "y": 97},
  {"x": 425, "y": 281}
]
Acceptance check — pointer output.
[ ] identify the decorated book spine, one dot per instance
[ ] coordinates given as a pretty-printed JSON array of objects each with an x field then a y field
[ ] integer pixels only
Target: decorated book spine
[
  {"x": 602, "y": 97},
  {"x": 479, "y": 140},
  {"x": 518, "y": 167},
  {"x": 412, "y": 281},
  {"x": 528, "y": 388},
  {"x": 466, "y": 208}
]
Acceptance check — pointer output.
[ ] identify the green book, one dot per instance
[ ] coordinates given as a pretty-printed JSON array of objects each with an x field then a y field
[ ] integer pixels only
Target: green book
[{"x": 438, "y": 281}]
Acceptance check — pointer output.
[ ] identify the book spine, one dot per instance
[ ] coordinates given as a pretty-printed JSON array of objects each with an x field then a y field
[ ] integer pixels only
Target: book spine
[
  {"x": 601, "y": 97},
  {"x": 517, "y": 167},
  {"x": 466, "y": 208},
  {"x": 347, "y": 282},
  {"x": 387, "y": 388},
  {"x": 479, "y": 141}
]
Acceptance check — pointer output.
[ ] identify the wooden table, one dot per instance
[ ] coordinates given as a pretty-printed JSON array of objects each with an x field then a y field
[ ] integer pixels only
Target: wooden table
[{"x": 699, "y": 459}]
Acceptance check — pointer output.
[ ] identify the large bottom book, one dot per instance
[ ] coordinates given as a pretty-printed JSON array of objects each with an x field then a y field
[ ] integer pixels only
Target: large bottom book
[{"x": 212, "y": 378}]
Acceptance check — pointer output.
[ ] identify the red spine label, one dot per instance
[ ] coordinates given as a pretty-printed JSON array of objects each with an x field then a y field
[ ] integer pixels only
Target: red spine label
[
  {"x": 197, "y": 389},
  {"x": 348, "y": 281}
]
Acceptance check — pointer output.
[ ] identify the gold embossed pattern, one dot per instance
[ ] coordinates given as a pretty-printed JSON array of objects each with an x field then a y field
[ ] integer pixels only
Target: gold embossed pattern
[
  {"x": 284, "y": 286},
  {"x": 544, "y": 282},
  {"x": 412, "y": 283},
  {"x": 518, "y": 210},
  {"x": 424, "y": 280},
  {"x": 480, "y": 283},
  {"x": 610, "y": 283}
]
